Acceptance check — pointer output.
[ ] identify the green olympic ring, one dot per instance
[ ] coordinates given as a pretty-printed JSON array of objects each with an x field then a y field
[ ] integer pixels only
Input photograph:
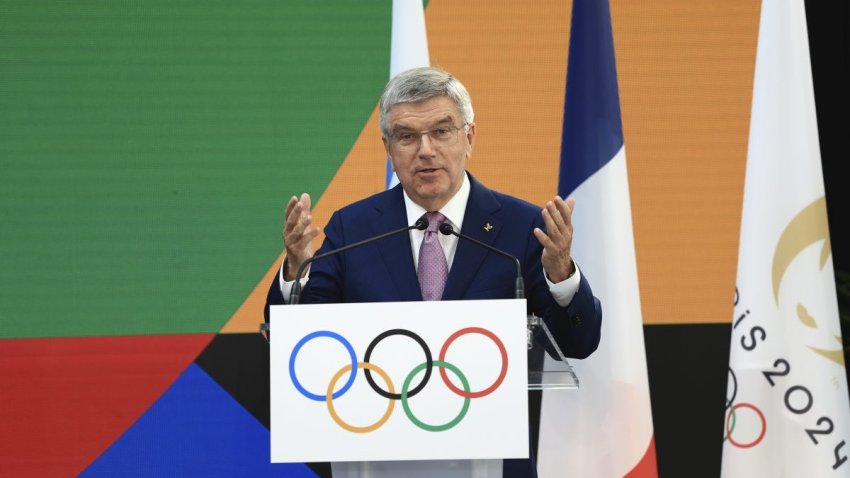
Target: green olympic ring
[
  {"x": 421, "y": 424},
  {"x": 732, "y": 415}
]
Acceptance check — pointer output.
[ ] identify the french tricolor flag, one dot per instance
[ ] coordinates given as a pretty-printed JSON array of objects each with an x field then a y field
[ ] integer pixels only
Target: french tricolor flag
[{"x": 604, "y": 429}]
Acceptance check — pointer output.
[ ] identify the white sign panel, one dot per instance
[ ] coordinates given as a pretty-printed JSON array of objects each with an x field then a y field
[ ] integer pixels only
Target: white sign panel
[{"x": 432, "y": 381}]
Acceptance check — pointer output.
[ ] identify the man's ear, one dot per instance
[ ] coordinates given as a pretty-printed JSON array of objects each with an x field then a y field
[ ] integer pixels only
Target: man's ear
[
  {"x": 470, "y": 137},
  {"x": 387, "y": 149}
]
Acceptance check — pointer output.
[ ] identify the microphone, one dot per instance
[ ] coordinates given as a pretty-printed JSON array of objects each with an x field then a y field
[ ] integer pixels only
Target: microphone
[
  {"x": 420, "y": 224},
  {"x": 448, "y": 230}
]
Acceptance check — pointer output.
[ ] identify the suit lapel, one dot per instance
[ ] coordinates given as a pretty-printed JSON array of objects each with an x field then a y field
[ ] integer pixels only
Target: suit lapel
[
  {"x": 482, "y": 221},
  {"x": 395, "y": 250}
]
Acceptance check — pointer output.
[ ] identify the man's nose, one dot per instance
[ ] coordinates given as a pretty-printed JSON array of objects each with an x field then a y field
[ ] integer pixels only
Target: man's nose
[{"x": 426, "y": 147}]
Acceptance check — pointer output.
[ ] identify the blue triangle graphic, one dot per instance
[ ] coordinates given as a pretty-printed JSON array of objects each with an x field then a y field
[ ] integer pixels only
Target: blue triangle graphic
[{"x": 194, "y": 429}]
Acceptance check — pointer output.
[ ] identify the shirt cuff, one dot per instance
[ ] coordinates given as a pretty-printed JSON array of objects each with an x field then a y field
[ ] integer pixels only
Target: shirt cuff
[
  {"x": 287, "y": 285},
  {"x": 564, "y": 291}
]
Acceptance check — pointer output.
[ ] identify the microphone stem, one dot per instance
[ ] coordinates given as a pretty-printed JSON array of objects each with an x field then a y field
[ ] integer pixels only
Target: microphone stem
[
  {"x": 520, "y": 283},
  {"x": 296, "y": 289}
]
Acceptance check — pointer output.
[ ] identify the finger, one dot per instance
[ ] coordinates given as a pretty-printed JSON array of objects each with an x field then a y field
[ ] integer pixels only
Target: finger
[
  {"x": 305, "y": 201},
  {"x": 312, "y": 234},
  {"x": 552, "y": 228},
  {"x": 296, "y": 224},
  {"x": 291, "y": 215},
  {"x": 292, "y": 220},
  {"x": 304, "y": 222},
  {"x": 556, "y": 214},
  {"x": 545, "y": 241},
  {"x": 564, "y": 219},
  {"x": 564, "y": 209},
  {"x": 290, "y": 206},
  {"x": 303, "y": 248},
  {"x": 309, "y": 235}
]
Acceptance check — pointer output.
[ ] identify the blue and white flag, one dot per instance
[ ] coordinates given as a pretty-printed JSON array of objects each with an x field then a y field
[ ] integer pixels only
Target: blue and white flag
[{"x": 604, "y": 429}]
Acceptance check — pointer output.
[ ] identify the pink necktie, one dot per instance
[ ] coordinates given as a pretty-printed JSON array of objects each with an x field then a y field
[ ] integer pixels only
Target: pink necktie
[{"x": 433, "y": 268}]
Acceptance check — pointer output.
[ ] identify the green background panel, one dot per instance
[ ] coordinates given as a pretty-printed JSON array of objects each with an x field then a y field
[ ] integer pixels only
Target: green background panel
[{"x": 147, "y": 150}]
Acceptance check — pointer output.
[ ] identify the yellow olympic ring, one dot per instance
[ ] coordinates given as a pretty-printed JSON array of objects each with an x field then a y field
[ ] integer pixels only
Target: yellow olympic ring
[{"x": 329, "y": 398}]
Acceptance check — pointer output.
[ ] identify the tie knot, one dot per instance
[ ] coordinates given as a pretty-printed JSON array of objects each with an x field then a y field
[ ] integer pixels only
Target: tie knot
[{"x": 435, "y": 219}]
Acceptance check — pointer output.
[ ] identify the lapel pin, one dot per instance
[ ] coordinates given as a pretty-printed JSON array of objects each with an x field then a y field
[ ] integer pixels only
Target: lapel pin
[{"x": 488, "y": 227}]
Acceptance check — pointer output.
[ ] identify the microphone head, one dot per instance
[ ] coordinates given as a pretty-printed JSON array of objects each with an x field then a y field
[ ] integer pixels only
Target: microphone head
[
  {"x": 421, "y": 223},
  {"x": 446, "y": 229}
]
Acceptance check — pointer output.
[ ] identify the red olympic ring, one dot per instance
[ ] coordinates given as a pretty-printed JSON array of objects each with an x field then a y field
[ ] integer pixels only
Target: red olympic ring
[
  {"x": 502, "y": 373},
  {"x": 763, "y": 425}
]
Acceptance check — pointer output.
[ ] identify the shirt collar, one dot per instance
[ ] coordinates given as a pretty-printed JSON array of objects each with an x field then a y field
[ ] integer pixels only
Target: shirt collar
[{"x": 454, "y": 210}]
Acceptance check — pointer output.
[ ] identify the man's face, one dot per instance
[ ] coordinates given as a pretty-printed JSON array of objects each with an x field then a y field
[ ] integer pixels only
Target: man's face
[{"x": 430, "y": 172}]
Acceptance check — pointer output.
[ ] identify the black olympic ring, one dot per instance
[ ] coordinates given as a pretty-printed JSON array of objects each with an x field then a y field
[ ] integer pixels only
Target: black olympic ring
[
  {"x": 734, "y": 390},
  {"x": 428, "y": 363}
]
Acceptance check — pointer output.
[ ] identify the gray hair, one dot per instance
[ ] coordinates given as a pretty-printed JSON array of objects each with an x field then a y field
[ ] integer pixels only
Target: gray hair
[{"x": 421, "y": 84}]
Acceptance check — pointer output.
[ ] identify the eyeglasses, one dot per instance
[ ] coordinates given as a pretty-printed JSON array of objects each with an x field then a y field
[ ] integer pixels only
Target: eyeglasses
[{"x": 408, "y": 140}]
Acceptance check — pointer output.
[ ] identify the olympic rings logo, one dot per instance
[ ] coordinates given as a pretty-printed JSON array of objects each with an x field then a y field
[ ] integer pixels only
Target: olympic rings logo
[
  {"x": 732, "y": 417},
  {"x": 406, "y": 392}
]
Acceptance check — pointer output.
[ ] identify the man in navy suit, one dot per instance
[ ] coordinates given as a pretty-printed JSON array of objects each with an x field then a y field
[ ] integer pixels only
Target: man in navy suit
[{"x": 427, "y": 126}]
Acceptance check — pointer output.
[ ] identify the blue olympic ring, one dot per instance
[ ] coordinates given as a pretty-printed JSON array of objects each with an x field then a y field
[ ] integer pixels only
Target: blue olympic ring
[{"x": 309, "y": 337}]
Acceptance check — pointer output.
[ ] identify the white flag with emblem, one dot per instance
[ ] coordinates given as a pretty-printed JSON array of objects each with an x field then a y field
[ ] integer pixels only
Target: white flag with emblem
[{"x": 787, "y": 410}]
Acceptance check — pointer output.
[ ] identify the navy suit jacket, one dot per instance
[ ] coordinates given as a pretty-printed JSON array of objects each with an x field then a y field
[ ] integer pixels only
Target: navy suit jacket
[{"x": 383, "y": 271}]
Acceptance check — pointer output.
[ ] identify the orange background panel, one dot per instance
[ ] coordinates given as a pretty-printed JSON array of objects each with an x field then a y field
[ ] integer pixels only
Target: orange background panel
[
  {"x": 512, "y": 56},
  {"x": 686, "y": 72}
]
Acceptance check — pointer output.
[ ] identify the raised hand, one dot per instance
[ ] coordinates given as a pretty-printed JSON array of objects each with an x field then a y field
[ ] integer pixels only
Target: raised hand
[
  {"x": 558, "y": 239},
  {"x": 298, "y": 234}
]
